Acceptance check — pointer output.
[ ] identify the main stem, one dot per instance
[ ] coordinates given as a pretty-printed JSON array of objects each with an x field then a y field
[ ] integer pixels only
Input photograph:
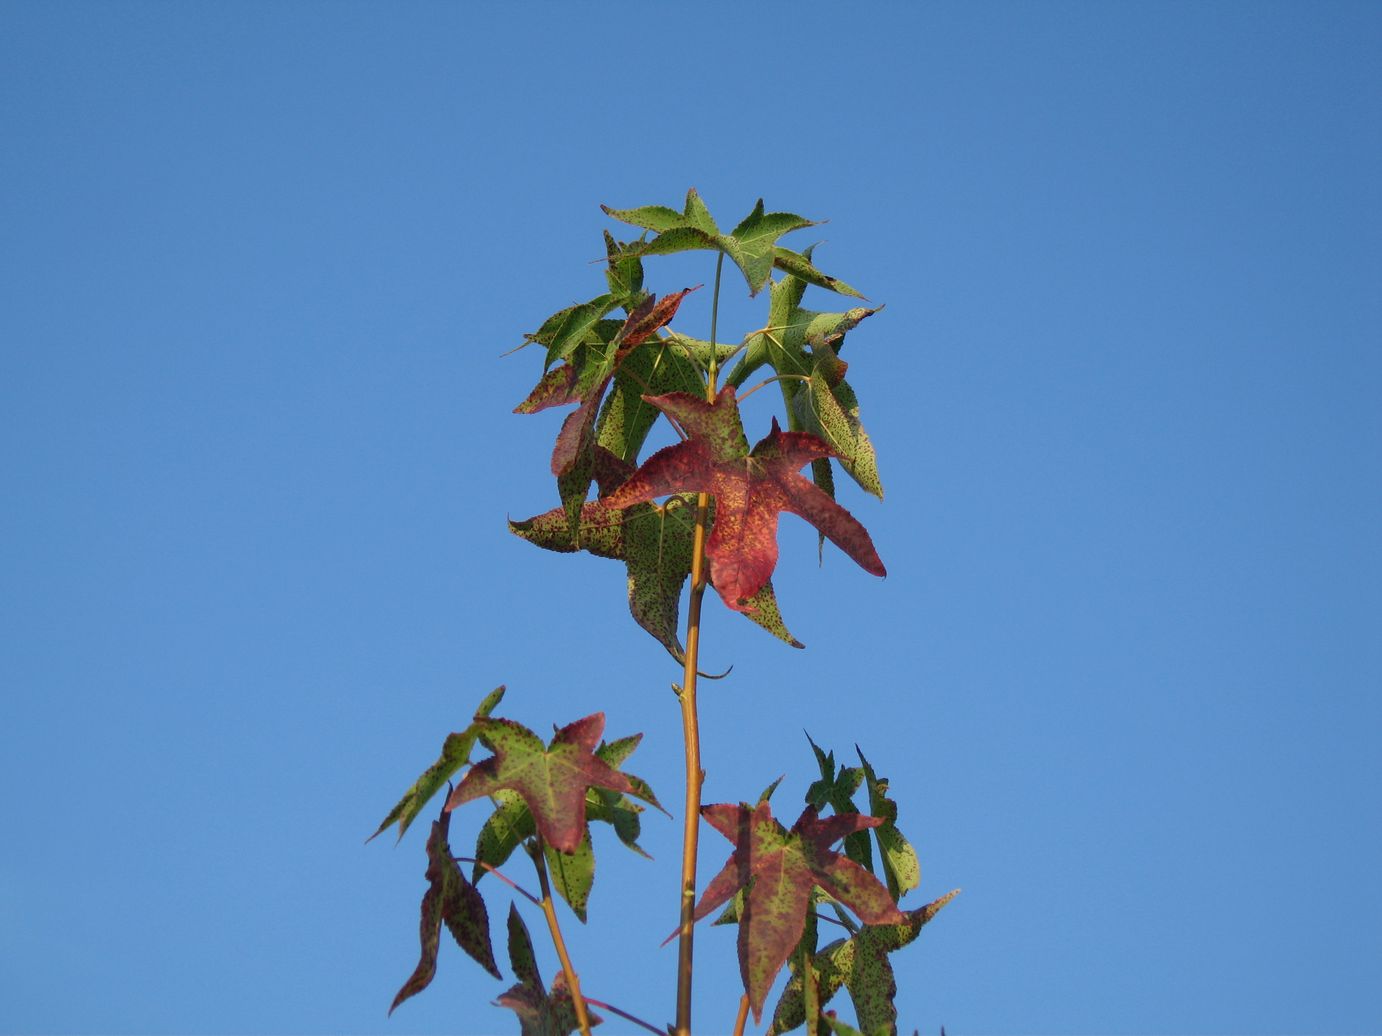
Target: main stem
[{"x": 690, "y": 724}]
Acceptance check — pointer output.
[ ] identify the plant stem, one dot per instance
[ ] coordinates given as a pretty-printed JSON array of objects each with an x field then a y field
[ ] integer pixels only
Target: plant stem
[
  {"x": 690, "y": 724},
  {"x": 743, "y": 1015},
  {"x": 549, "y": 910}
]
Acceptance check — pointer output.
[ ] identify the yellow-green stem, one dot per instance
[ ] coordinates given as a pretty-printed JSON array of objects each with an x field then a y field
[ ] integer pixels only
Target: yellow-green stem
[
  {"x": 690, "y": 724},
  {"x": 549, "y": 910}
]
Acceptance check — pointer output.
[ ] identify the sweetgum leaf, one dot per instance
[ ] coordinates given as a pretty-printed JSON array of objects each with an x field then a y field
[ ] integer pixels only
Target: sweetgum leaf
[
  {"x": 455, "y": 753},
  {"x": 800, "y": 266},
  {"x": 453, "y": 901},
  {"x": 551, "y": 780},
  {"x": 859, "y": 964},
  {"x": 779, "y": 868},
  {"x": 836, "y": 790},
  {"x": 512, "y": 823},
  {"x": 830, "y": 410},
  {"x": 901, "y": 869},
  {"x": 750, "y": 490},
  {"x": 539, "y": 1014},
  {"x": 583, "y": 381},
  {"x": 654, "y": 542},
  {"x": 750, "y": 245}
]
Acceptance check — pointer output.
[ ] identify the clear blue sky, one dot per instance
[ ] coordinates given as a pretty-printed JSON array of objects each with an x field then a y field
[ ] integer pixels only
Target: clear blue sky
[{"x": 258, "y": 266}]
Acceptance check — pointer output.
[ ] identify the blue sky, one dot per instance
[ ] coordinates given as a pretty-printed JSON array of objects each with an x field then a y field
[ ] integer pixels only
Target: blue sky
[{"x": 259, "y": 263}]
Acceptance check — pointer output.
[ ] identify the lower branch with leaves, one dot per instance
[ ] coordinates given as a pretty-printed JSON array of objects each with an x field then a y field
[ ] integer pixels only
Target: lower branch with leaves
[{"x": 703, "y": 510}]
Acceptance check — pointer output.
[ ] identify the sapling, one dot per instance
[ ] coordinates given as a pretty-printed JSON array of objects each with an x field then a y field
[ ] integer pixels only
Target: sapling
[{"x": 705, "y": 510}]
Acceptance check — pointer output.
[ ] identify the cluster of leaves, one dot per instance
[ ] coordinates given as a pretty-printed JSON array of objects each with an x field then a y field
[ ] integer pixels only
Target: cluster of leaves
[
  {"x": 774, "y": 884},
  {"x": 777, "y": 880},
  {"x": 542, "y": 798},
  {"x": 622, "y": 375}
]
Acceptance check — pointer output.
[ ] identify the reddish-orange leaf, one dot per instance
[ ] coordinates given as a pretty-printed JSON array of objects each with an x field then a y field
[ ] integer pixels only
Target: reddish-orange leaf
[{"x": 751, "y": 488}]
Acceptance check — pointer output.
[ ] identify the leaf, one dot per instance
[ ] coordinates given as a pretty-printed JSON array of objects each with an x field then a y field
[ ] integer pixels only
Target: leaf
[
  {"x": 779, "y": 868},
  {"x": 750, "y": 245},
  {"x": 859, "y": 964},
  {"x": 453, "y": 901},
  {"x": 750, "y": 489},
  {"x": 512, "y": 823},
  {"x": 901, "y": 868},
  {"x": 654, "y": 542},
  {"x": 800, "y": 266},
  {"x": 539, "y": 1014},
  {"x": 837, "y": 792},
  {"x": 583, "y": 381},
  {"x": 552, "y": 781},
  {"x": 830, "y": 410},
  {"x": 455, "y": 753}
]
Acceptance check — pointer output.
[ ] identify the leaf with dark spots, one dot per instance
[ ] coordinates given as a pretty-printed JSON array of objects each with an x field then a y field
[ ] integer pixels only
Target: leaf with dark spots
[
  {"x": 901, "y": 869},
  {"x": 624, "y": 273},
  {"x": 780, "y": 868},
  {"x": 750, "y": 245},
  {"x": 836, "y": 790},
  {"x": 859, "y": 964},
  {"x": 552, "y": 780},
  {"x": 750, "y": 488},
  {"x": 655, "y": 544},
  {"x": 455, "y": 753},
  {"x": 539, "y": 1013},
  {"x": 573, "y": 874},
  {"x": 575, "y": 325},
  {"x": 453, "y": 901},
  {"x": 583, "y": 381},
  {"x": 800, "y": 266}
]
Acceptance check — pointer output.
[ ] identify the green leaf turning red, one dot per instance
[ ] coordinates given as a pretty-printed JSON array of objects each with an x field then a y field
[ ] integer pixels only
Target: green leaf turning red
[
  {"x": 551, "y": 780},
  {"x": 780, "y": 868}
]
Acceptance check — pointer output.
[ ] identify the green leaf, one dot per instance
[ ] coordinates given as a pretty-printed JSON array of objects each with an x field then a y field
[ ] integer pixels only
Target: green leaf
[
  {"x": 455, "y": 753},
  {"x": 837, "y": 792},
  {"x": 624, "y": 274},
  {"x": 779, "y": 869},
  {"x": 539, "y": 1014},
  {"x": 831, "y": 411},
  {"x": 573, "y": 874},
  {"x": 750, "y": 246},
  {"x": 860, "y": 964},
  {"x": 453, "y": 901},
  {"x": 901, "y": 868},
  {"x": 799, "y": 265}
]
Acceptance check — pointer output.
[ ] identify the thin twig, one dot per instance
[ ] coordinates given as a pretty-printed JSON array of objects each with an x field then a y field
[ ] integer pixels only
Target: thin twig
[
  {"x": 498, "y": 874},
  {"x": 625, "y": 1015}
]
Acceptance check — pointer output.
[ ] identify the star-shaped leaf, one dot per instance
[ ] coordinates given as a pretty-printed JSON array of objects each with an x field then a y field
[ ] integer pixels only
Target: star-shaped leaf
[
  {"x": 750, "y": 245},
  {"x": 539, "y": 1013},
  {"x": 655, "y": 544},
  {"x": 552, "y": 780},
  {"x": 859, "y": 964},
  {"x": 780, "y": 868},
  {"x": 573, "y": 874},
  {"x": 455, "y": 753},
  {"x": 453, "y": 901},
  {"x": 750, "y": 488}
]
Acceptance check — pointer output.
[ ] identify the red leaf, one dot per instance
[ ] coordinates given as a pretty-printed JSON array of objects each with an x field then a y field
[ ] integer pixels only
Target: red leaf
[
  {"x": 750, "y": 489},
  {"x": 452, "y": 900},
  {"x": 780, "y": 868}
]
